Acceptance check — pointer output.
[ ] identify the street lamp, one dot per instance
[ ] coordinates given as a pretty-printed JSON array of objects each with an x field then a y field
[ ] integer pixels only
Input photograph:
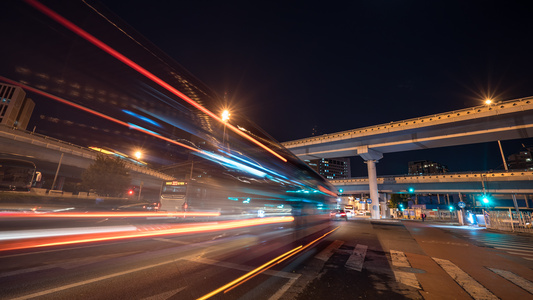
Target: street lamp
[
  {"x": 225, "y": 115},
  {"x": 488, "y": 102},
  {"x": 138, "y": 154},
  {"x": 225, "y": 119}
]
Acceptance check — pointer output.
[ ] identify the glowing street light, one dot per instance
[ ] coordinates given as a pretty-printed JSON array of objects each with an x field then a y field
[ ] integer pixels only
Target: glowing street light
[
  {"x": 138, "y": 154},
  {"x": 225, "y": 115},
  {"x": 225, "y": 118},
  {"x": 488, "y": 102}
]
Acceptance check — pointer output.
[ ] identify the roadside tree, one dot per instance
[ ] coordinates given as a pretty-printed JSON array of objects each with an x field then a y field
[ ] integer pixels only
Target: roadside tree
[
  {"x": 397, "y": 199},
  {"x": 107, "y": 176}
]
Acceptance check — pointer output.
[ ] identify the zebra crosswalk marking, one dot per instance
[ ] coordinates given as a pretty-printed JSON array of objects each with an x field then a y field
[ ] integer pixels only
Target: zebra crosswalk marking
[
  {"x": 517, "y": 280},
  {"x": 500, "y": 246},
  {"x": 356, "y": 260},
  {"x": 328, "y": 252},
  {"x": 469, "y": 284},
  {"x": 511, "y": 245},
  {"x": 399, "y": 260}
]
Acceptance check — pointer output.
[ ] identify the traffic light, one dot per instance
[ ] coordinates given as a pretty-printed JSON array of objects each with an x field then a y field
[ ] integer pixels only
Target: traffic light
[
  {"x": 411, "y": 190},
  {"x": 130, "y": 192},
  {"x": 401, "y": 206},
  {"x": 340, "y": 191},
  {"x": 451, "y": 207},
  {"x": 485, "y": 199}
]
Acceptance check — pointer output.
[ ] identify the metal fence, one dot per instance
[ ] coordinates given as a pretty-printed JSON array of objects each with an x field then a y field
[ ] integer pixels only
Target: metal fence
[{"x": 509, "y": 220}]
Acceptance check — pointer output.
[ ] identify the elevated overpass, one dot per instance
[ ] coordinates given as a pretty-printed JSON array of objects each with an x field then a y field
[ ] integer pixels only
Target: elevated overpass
[
  {"x": 505, "y": 120},
  {"x": 46, "y": 152},
  {"x": 514, "y": 182}
]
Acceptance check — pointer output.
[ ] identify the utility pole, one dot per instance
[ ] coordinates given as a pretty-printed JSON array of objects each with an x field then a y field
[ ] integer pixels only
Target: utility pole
[{"x": 57, "y": 171}]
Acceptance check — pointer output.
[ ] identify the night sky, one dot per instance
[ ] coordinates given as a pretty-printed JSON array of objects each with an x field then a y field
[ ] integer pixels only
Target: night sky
[{"x": 303, "y": 68}]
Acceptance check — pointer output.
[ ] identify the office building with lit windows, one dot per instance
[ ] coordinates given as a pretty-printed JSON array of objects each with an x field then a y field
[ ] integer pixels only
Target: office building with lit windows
[
  {"x": 15, "y": 108},
  {"x": 426, "y": 167},
  {"x": 331, "y": 168},
  {"x": 522, "y": 160}
]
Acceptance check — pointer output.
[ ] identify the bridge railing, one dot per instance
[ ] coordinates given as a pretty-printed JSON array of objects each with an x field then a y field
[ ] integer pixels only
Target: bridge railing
[
  {"x": 66, "y": 147},
  {"x": 446, "y": 117},
  {"x": 486, "y": 175}
]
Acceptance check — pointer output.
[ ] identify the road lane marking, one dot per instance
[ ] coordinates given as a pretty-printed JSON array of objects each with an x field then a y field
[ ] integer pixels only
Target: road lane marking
[
  {"x": 328, "y": 252},
  {"x": 518, "y": 253},
  {"x": 68, "y": 286},
  {"x": 469, "y": 284},
  {"x": 517, "y": 280},
  {"x": 23, "y": 271},
  {"x": 515, "y": 248},
  {"x": 356, "y": 260},
  {"x": 239, "y": 267},
  {"x": 76, "y": 284},
  {"x": 164, "y": 295},
  {"x": 284, "y": 288},
  {"x": 399, "y": 260},
  {"x": 237, "y": 282},
  {"x": 171, "y": 241}
]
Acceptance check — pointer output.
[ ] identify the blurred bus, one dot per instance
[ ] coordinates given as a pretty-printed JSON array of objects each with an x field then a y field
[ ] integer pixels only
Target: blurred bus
[
  {"x": 192, "y": 196},
  {"x": 17, "y": 174},
  {"x": 173, "y": 196},
  {"x": 349, "y": 209}
]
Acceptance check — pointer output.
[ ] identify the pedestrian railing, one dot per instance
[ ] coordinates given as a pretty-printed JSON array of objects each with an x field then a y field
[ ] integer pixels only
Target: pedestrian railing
[{"x": 509, "y": 220}]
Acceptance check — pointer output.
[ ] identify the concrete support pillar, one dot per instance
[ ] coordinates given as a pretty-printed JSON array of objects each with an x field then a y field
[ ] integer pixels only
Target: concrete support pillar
[
  {"x": 515, "y": 204},
  {"x": 385, "y": 211},
  {"x": 373, "y": 187},
  {"x": 371, "y": 157}
]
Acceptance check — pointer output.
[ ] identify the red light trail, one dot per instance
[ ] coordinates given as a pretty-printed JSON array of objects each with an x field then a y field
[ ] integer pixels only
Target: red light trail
[
  {"x": 141, "y": 232},
  {"x": 90, "y": 38},
  {"x": 183, "y": 214}
]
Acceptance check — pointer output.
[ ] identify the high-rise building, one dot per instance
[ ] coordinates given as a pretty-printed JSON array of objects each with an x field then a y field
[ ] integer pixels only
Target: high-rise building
[
  {"x": 522, "y": 160},
  {"x": 426, "y": 167},
  {"x": 331, "y": 168},
  {"x": 15, "y": 108}
]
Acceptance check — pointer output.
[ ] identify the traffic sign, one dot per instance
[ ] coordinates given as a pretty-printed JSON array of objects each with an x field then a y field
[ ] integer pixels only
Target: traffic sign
[
  {"x": 369, "y": 201},
  {"x": 461, "y": 204}
]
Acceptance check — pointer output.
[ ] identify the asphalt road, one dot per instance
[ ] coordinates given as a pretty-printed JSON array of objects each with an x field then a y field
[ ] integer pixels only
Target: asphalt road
[{"x": 355, "y": 259}]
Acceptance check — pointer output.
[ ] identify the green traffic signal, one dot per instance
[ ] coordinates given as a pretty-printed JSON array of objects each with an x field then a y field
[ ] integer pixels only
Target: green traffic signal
[{"x": 411, "y": 190}]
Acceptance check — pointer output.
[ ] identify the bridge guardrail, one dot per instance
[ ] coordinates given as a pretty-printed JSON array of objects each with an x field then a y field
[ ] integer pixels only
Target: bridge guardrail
[
  {"x": 494, "y": 109},
  {"x": 66, "y": 147},
  {"x": 467, "y": 176}
]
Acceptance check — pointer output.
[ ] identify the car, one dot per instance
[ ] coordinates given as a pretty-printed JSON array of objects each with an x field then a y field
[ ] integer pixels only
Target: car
[{"x": 338, "y": 214}]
